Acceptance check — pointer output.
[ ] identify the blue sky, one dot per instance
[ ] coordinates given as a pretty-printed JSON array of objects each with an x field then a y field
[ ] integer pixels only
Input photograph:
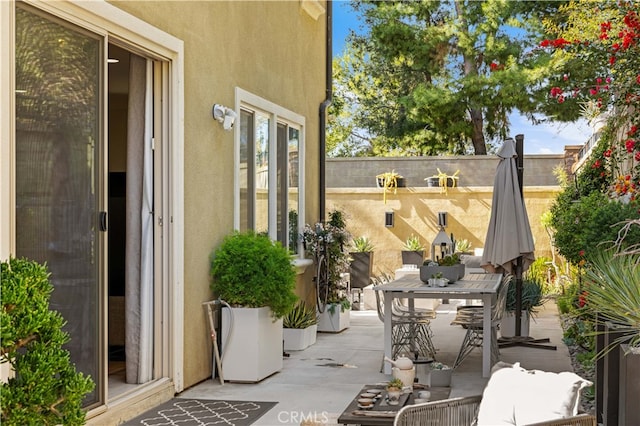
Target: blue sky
[{"x": 538, "y": 139}]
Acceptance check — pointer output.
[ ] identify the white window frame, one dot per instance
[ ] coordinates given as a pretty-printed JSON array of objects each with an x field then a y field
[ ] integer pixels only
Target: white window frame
[
  {"x": 111, "y": 23},
  {"x": 277, "y": 114}
]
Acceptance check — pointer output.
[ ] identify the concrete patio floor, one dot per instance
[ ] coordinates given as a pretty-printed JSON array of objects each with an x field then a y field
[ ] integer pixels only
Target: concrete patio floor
[{"x": 319, "y": 382}]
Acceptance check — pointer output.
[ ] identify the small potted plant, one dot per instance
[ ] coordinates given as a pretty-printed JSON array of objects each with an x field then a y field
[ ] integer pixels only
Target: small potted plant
[
  {"x": 389, "y": 181},
  {"x": 299, "y": 327},
  {"x": 361, "y": 266},
  {"x": 326, "y": 243},
  {"x": 439, "y": 375},
  {"x": 394, "y": 389},
  {"x": 532, "y": 298},
  {"x": 413, "y": 251},
  {"x": 449, "y": 266}
]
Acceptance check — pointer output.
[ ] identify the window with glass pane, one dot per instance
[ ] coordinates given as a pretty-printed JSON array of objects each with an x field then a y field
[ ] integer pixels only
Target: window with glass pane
[{"x": 269, "y": 185}]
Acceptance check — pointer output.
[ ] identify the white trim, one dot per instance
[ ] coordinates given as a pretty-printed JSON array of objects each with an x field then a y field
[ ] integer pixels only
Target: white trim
[
  {"x": 7, "y": 129},
  {"x": 107, "y": 20}
]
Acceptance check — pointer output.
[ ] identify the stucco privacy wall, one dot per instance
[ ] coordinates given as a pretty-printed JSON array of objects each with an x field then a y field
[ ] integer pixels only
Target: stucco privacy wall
[
  {"x": 272, "y": 49},
  {"x": 415, "y": 208}
]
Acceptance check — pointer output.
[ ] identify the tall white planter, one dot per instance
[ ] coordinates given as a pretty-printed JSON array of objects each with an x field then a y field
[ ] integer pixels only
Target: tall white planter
[
  {"x": 297, "y": 339},
  {"x": 334, "y": 322},
  {"x": 251, "y": 344},
  {"x": 508, "y": 324}
]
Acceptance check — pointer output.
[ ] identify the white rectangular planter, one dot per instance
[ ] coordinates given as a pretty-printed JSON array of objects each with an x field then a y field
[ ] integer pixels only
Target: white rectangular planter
[
  {"x": 508, "y": 324},
  {"x": 334, "y": 322},
  {"x": 297, "y": 339},
  {"x": 252, "y": 349}
]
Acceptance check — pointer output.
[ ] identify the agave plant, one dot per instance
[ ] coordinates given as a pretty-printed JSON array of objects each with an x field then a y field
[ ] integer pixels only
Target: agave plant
[
  {"x": 301, "y": 316},
  {"x": 614, "y": 293}
]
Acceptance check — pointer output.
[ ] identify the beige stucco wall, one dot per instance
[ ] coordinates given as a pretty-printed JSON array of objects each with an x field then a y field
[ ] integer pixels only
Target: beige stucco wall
[
  {"x": 415, "y": 210},
  {"x": 272, "y": 49}
]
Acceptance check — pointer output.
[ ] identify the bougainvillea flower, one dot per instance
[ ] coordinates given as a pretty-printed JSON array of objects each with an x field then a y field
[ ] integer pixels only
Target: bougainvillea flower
[
  {"x": 607, "y": 153},
  {"x": 630, "y": 144}
]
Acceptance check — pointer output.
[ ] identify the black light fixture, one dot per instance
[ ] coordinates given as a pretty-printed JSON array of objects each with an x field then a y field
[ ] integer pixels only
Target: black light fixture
[
  {"x": 388, "y": 219},
  {"x": 442, "y": 219}
]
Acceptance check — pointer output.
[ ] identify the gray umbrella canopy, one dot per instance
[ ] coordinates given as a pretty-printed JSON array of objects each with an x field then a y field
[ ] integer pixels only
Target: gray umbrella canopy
[{"x": 509, "y": 233}]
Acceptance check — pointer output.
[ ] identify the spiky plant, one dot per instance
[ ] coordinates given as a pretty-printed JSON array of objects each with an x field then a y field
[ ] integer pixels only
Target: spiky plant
[{"x": 613, "y": 292}]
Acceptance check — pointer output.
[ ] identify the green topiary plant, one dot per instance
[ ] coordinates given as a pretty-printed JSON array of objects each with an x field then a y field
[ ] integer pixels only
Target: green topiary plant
[
  {"x": 252, "y": 271},
  {"x": 46, "y": 388}
]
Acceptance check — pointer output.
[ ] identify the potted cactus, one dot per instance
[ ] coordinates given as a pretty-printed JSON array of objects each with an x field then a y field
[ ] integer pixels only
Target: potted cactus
[{"x": 413, "y": 251}]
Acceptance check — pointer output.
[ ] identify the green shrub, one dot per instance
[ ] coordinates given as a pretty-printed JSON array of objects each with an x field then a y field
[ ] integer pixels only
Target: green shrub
[
  {"x": 252, "y": 271},
  {"x": 46, "y": 389},
  {"x": 590, "y": 224}
]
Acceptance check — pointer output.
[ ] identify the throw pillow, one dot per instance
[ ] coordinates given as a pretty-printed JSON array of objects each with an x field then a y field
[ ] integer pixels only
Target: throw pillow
[{"x": 515, "y": 396}]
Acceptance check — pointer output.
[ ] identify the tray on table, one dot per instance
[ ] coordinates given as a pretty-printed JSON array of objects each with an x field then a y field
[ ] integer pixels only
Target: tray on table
[{"x": 382, "y": 413}]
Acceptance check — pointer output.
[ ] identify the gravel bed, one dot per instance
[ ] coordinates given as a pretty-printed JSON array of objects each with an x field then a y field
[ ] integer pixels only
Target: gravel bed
[{"x": 587, "y": 399}]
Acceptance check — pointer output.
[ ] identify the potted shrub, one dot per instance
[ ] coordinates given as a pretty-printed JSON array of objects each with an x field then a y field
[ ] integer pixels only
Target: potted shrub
[
  {"x": 532, "y": 298},
  {"x": 449, "y": 266},
  {"x": 45, "y": 387},
  {"x": 325, "y": 243},
  {"x": 361, "y": 266},
  {"x": 255, "y": 277},
  {"x": 413, "y": 251},
  {"x": 300, "y": 326}
]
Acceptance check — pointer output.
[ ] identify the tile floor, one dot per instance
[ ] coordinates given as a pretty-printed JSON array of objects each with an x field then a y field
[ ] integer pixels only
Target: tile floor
[{"x": 316, "y": 384}]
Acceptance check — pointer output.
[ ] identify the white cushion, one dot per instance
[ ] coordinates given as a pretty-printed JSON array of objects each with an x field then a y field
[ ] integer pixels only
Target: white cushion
[{"x": 515, "y": 396}]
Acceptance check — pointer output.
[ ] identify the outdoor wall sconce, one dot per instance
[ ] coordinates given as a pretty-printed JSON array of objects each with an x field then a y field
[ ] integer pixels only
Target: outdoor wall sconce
[
  {"x": 224, "y": 115},
  {"x": 442, "y": 219},
  {"x": 388, "y": 219}
]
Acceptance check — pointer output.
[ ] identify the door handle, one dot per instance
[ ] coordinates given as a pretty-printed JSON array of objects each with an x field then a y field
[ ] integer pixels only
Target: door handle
[{"x": 103, "y": 221}]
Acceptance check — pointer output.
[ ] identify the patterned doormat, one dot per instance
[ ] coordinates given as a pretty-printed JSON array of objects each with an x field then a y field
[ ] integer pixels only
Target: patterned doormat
[{"x": 201, "y": 412}]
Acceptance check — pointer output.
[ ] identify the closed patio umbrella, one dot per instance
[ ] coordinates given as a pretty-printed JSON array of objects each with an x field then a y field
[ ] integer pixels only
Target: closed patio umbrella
[{"x": 509, "y": 243}]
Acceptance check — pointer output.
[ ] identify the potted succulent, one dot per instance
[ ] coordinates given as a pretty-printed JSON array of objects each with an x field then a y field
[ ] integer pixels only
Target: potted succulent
[
  {"x": 325, "y": 243},
  {"x": 449, "y": 266},
  {"x": 439, "y": 375},
  {"x": 394, "y": 389},
  {"x": 389, "y": 181},
  {"x": 254, "y": 276},
  {"x": 532, "y": 298},
  {"x": 413, "y": 251},
  {"x": 613, "y": 292},
  {"x": 361, "y": 266},
  {"x": 299, "y": 327}
]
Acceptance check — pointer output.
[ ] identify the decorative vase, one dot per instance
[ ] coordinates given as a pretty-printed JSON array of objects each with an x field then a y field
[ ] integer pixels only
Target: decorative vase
[{"x": 393, "y": 396}]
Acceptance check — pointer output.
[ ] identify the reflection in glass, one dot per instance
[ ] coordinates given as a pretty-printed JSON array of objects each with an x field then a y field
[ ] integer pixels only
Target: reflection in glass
[
  {"x": 57, "y": 139},
  {"x": 293, "y": 201},
  {"x": 262, "y": 174},
  {"x": 245, "y": 170}
]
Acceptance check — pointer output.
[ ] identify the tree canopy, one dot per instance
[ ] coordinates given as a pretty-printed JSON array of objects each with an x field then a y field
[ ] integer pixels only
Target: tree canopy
[{"x": 431, "y": 77}]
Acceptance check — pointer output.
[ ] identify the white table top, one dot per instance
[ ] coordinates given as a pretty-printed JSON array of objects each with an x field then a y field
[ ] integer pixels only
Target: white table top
[{"x": 470, "y": 283}]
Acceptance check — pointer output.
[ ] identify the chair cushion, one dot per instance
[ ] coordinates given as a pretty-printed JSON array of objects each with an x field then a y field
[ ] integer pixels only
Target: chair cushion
[{"x": 515, "y": 396}]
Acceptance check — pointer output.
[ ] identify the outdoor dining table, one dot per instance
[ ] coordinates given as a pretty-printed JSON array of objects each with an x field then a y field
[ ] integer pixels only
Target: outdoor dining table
[{"x": 471, "y": 286}]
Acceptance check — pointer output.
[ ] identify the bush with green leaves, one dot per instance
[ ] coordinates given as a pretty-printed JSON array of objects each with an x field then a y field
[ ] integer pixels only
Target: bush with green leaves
[
  {"x": 590, "y": 224},
  {"x": 46, "y": 388},
  {"x": 252, "y": 271}
]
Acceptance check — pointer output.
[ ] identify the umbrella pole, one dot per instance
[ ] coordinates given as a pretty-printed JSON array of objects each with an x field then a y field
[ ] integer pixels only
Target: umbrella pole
[{"x": 518, "y": 340}]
